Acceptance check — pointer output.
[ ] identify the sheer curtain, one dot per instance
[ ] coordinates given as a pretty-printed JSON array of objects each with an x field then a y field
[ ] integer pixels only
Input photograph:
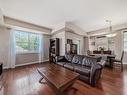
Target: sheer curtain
[
  {"x": 12, "y": 50},
  {"x": 40, "y": 48}
]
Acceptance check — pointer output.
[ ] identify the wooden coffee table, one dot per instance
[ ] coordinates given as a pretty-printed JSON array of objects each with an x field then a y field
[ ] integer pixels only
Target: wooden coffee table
[{"x": 57, "y": 77}]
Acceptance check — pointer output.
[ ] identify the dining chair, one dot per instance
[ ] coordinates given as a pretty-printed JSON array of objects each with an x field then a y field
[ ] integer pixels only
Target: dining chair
[{"x": 116, "y": 61}]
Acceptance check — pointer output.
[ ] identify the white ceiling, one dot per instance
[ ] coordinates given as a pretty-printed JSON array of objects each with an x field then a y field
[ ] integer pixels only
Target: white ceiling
[{"x": 88, "y": 14}]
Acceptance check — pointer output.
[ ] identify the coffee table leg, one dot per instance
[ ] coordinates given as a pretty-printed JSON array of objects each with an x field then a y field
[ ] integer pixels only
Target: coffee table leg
[{"x": 40, "y": 81}]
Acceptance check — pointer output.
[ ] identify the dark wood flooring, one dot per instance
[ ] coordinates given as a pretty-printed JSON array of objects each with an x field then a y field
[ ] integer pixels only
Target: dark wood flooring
[{"x": 24, "y": 81}]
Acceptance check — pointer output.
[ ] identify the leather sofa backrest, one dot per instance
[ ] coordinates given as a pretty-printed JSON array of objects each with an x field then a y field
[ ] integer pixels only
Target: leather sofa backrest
[
  {"x": 77, "y": 59},
  {"x": 89, "y": 61},
  {"x": 69, "y": 57}
]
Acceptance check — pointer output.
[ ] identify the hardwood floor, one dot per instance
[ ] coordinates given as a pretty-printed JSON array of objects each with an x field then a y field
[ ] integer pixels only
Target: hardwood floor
[{"x": 24, "y": 81}]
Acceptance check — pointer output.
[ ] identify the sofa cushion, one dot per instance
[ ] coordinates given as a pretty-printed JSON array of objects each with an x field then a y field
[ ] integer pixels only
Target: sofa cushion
[
  {"x": 89, "y": 61},
  {"x": 82, "y": 70},
  {"x": 84, "y": 78},
  {"x": 61, "y": 63},
  {"x": 69, "y": 57},
  {"x": 69, "y": 66},
  {"x": 77, "y": 59}
]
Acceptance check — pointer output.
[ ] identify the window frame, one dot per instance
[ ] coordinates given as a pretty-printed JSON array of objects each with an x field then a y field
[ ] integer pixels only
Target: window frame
[
  {"x": 29, "y": 51},
  {"x": 124, "y": 41}
]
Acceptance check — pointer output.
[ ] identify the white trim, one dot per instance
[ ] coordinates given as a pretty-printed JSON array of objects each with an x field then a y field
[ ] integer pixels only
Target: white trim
[
  {"x": 27, "y": 52},
  {"x": 30, "y": 63},
  {"x": 6, "y": 67},
  {"x": 46, "y": 60},
  {"x": 26, "y": 64}
]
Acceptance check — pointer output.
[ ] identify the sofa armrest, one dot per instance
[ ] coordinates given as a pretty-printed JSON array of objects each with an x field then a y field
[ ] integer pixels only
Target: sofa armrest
[
  {"x": 102, "y": 63},
  {"x": 95, "y": 73},
  {"x": 60, "y": 59}
]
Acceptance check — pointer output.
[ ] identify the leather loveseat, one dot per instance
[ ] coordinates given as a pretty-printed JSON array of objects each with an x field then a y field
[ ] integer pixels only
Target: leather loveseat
[{"x": 88, "y": 67}]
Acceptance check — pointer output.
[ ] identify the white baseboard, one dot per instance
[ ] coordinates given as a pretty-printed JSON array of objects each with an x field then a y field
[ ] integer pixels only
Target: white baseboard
[
  {"x": 27, "y": 64},
  {"x": 5, "y": 67},
  {"x": 46, "y": 60},
  {"x": 31, "y": 63}
]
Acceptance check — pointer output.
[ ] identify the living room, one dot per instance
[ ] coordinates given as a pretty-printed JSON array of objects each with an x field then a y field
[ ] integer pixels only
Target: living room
[{"x": 63, "y": 47}]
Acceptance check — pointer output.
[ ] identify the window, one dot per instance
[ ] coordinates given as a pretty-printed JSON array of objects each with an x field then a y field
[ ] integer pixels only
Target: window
[
  {"x": 26, "y": 42},
  {"x": 125, "y": 41}
]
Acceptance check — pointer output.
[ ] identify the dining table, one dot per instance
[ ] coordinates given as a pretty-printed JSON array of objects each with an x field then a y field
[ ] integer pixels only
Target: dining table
[{"x": 106, "y": 57}]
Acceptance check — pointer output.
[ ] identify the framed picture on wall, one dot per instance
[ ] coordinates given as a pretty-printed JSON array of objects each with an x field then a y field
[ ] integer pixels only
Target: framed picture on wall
[
  {"x": 69, "y": 41},
  {"x": 68, "y": 48},
  {"x": 74, "y": 48},
  {"x": 71, "y": 48}
]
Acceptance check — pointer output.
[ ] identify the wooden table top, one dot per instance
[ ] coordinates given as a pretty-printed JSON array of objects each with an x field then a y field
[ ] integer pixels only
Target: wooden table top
[
  {"x": 108, "y": 55},
  {"x": 57, "y": 75}
]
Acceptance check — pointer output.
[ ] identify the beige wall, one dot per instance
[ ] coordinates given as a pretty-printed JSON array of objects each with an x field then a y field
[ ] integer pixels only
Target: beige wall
[
  {"x": 86, "y": 45},
  {"x": 25, "y": 25},
  {"x": 61, "y": 36},
  {"x": 46, "y": 44},
  {"x": 4, "y": 46},
  {"x": 119, "y": 45},
  {"x": 76, "y": 29},
  {"x": 26, "y": 58},
  {"x": 118, "y": 39}
]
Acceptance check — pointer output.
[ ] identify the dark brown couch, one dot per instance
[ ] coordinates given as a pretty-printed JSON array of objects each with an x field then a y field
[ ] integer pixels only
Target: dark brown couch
[{"x": 89, "y": 68}]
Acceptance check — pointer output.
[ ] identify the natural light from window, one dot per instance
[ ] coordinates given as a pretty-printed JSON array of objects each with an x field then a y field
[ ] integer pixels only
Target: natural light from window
[
  {"x": 125, "y": 41},
  {"x": 26, "y": 42}
]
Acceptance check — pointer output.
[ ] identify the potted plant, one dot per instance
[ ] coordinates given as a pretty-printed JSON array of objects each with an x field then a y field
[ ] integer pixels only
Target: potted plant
[{"x": 101, "y": 49}]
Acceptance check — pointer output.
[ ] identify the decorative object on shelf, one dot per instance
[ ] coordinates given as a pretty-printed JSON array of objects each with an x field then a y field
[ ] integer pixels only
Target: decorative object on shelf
[
  {"x": 74, "y": 49},
  {"x": 68, "y": 48},
  {"x": 69, "y": 41},
  {"x": 53, "y": 49},
  {"x": 102, "y": 49}
]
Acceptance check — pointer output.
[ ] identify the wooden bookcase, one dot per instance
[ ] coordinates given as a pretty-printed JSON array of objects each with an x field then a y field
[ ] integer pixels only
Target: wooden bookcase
[
  {"x": 54, "y": 49},
  {"x": 1, "y": 69}
]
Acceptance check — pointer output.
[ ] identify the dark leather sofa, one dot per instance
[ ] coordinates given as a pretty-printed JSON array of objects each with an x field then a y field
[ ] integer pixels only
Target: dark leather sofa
[{"x": 88, "y": 67}]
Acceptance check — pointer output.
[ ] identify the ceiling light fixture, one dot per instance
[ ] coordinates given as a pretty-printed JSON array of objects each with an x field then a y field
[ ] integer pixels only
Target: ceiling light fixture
[
  {"x": 110, "y": 29},
  {"x": 110, "y": 25},
  {"x": 111, "y": 35}
]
